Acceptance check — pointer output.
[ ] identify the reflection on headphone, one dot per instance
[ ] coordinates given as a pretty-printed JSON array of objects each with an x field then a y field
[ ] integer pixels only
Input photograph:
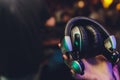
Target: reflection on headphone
[{"x": 83, "y": 35}]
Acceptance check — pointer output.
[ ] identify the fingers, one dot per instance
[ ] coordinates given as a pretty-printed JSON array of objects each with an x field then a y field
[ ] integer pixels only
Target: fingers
[
  {"x": 65, "y": 57},
  {"x": 59, "y": 45}
]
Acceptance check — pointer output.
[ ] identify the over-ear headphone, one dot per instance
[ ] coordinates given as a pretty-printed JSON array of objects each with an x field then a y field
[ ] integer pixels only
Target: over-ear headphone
[{"x": 85, "y": 35}]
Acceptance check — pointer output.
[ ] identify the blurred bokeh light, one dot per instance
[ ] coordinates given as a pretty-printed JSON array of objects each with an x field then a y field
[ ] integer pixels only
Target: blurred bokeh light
[
  {"x": 107, "y": 3},
  {"x": 118, "y": 7}
]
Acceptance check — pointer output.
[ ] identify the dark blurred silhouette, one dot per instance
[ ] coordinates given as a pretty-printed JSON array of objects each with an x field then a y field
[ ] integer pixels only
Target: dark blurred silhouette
[{"x": 21, "y": 37}]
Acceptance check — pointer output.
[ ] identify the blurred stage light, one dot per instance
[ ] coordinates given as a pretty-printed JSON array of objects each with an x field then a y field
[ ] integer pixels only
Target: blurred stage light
[
  {"x": 107, "y": 3},
  {"x": 118, "y": 7},
  {"x": 81, "y": 4}
]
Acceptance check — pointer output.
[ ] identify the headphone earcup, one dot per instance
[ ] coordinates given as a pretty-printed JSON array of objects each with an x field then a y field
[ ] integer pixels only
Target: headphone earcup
[
  {"x": 79, "y": 42},
  {"x": 95, "y": 39},
  {"x": 98, "y": 43},
  {"x": 110, "y": 50},
  {"x": 76, "y": 38},
  {"x": 78, "y": 67},
  {"x": 84, "y": 39}
]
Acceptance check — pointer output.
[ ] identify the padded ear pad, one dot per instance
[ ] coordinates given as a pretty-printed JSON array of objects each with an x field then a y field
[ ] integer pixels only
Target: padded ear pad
[
  {"x": 84, "y": 39},
  {"x": 79, "y": 41},
  {"x": 76, "y": 38},
  {"x": 95, "y": 39}
]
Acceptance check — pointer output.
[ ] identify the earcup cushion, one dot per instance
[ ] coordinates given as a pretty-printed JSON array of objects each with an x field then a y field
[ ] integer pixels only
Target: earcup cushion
[
  {"x": 84, "y": 39},
  {"x": 95, "y": 39},
  {"x": 76, "y": 38},
  {"x": 79, "y": 41}
]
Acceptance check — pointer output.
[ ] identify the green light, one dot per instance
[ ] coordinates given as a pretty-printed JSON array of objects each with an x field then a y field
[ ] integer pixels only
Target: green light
[
  {"x": 76, "y": 67},
  {"x": 65, "y": 45},
  {"x": 113, "y": 57},
  {"x": 76, "y": 43}
]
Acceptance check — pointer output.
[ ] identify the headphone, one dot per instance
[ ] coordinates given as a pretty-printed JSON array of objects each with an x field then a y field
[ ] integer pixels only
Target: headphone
[{"x": 84, "y": 35}]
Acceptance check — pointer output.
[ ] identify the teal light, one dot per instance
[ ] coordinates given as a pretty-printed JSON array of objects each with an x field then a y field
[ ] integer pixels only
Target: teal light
[
  {"x": 75, "y": 66},
  {"x": 65, "y": 45},
  {"x": 113, "y": 57},
  {"x": 76, "y": 43}
]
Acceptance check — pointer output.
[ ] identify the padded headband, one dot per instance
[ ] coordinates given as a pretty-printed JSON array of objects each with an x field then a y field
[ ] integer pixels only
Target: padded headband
[{"x": 83, "y": 21}]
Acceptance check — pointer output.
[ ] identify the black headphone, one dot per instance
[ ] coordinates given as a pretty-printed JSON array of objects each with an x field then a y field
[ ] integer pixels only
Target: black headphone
[{"x": 83, "y": 34}]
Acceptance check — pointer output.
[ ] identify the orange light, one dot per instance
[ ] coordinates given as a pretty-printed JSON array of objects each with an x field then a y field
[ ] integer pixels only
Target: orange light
[
  {"x": 118, "y": 6},
  {"x": 107, "y": 3},
  {"x": 81, "y": 4}
]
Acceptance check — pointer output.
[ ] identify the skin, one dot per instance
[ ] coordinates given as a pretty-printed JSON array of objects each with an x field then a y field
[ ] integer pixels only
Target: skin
[{"x": 96, "y": 68}]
